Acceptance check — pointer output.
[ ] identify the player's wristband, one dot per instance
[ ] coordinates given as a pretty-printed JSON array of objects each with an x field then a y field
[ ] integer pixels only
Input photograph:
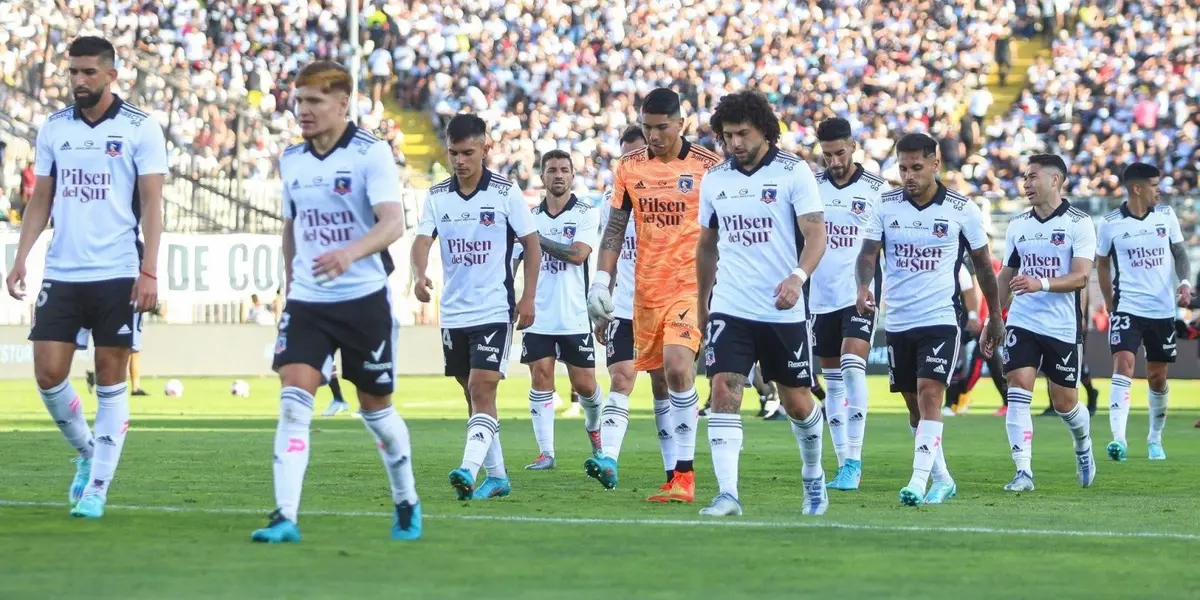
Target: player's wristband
[
  {"x": 802, "y": 274},
  {"x": 972, "y": 316},
  {"x": 149, "y": 275},
  {"x": 1045, "y": 284},
  {"x": 603, "y": 278}
]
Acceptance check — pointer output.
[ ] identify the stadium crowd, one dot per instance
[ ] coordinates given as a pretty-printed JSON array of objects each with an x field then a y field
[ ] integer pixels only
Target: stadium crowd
[{"x": 1123, "y": 81}]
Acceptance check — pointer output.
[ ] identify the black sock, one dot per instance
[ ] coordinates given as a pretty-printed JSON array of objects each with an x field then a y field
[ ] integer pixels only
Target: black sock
[
  {"x": 683, "y": 466},
  {"x": 335, "y": 387},
  {"x": 670, "y": 475}
]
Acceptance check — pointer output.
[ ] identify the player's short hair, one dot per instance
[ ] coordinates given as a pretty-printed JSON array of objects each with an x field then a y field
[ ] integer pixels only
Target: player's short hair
[
  {"x": 465, "y": 126},
  {"x": 632, "y": 134},
  {"x": 662, "y": 101},
  {"x": 557, "y": 154},
  {"x": 833, "y": 129},
  {"x": 917, "y": 142},
  {"x": 91, "y": 45},
  {"x": 747, "y": 106},
  {"x": 327, "y": 76},
  {"x": 1053, "y": 161},
  {"x": 1139, "y": 172}
]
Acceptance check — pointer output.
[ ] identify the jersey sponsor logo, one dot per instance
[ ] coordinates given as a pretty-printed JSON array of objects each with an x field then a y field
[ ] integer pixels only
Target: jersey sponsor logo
[
  {"x": 83, "y": 185},
  {"x": 1036, "y": 265},
  {"x": 748, "y": 231},
  {"x": 941, "y": 228},
  {"x": 840, "y": 236},
  {"x": 1147, "y": 258},
  {"x": 858, "y": 206},
  {"x": 916, "y": 258},
  {"x": 325, "y": 228},
  {"x": 487, "y": 217},
  {"x": 1058, "y": 238},
  {"x": 662, "y": 213},
  {"x": 770, "y": 193},
  {"x": 341, "y": 185},
  {"x": 552, "y": 265},
  {"x": 112, "y": 148},
  {"x": 468, "y": 253},
  {"x": 686, "y": 183}
]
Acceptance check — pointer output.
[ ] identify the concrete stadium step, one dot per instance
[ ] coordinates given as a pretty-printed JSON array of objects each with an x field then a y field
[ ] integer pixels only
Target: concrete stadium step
[
  {"x": 1025, "y": 53},
  {"x": 422, "y": 147}
]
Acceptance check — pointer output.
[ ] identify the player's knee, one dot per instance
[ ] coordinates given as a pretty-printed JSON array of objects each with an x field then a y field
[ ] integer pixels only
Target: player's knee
[
  {"x": 483, "y": 392},
  {"x": 584, "y": 386},
  {"x": 111, "y": 366},
  {"x": 49, "y": 377},
  {"x": 658, "y": 385},
  {"x": 796, "y": 402},
  {"x": 1123, "y": 364},
  {"x": 542, "y": 376},
  {"x": 1157, "y": 378},
  {"x": 680, "y": 377},
  {"x": 621, "y": 379},
  {"x": 372, "y": 403}
]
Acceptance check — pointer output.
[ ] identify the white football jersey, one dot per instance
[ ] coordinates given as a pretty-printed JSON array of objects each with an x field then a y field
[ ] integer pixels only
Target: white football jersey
[
  {"x": 96, "y": 210},
  {"x": 923, "y": 248},
  {"x": 1143, "y": 275},
  {"x": 848, "y": 209},
  {"x": 623, "y": 292},
  {"x": 476, "y": 233},
  {"x": 562, "y": 287},
  {"x": 330, "y": 201},
  {"x": 1045, "y": 248},
  {"x": 754, "y": 213}
]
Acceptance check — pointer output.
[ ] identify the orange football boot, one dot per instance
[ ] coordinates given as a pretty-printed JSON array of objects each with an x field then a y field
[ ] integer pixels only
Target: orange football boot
[
  {"x": 683, "y": 487},
  {"x": 664, "y": 493}
]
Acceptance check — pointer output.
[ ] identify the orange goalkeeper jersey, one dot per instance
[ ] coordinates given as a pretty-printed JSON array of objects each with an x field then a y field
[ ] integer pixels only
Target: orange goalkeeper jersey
[{"x": 664, "y": 198}]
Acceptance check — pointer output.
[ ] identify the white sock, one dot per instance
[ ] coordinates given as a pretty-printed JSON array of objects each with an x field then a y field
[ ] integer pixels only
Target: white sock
[
  {"x": 541, "y": 413},
  {"x": 481, "y": 430},
  {"x": 940, "y": 471},
  {"x": 1019, "y": 423},
  {"x": 395, "y": 448},
  {"x": 1080, "y": 423},
  {"x": 291, "y": 449},
  {"x": 614, "y": 421},
  {"x": 835, "y": 410},
  {"x": 1158, "y": 415},
  {"x": 854, "y": 375},
  {"x": 808, "y": 434},
  {"x": 925, "y": 447},
  {"x": 664, "y": 422},
  {"x": 591, "y": 409},
  {"x": 725, "y": 441},
  {"x": 493, "y": 461},
  {"x": 683, "y": 411},
  {"x": 112, "y": 421},
  {"x": 63, "y": 404},
  {"x": 1118, "y": 406}
]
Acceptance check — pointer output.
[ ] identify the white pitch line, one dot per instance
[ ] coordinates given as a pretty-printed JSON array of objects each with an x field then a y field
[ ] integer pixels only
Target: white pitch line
[{"x": 813, "y": 524}]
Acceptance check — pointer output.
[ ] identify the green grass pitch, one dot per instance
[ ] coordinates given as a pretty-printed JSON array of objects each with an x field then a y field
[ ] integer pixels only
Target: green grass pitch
[{"x": 195, "y": 480}]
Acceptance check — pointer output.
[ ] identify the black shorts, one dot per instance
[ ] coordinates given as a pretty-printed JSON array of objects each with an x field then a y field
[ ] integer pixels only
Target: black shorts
[
  {"x": 620, "y": 340},
  {"x": 831, "y": 328},
  {"x": 783, "y": 350},
  {"x": 1126, "y": 332},
  {"x": 577, "y": 350},
  {"x": 1060, "y": 361},
  {"x": 922, "y": 353},
  {"x": 81, "y": 340},
  {"x": 363, "y": 330},
  {"x": 482, "y": 347},
  {"x": 104, "y": 307}
]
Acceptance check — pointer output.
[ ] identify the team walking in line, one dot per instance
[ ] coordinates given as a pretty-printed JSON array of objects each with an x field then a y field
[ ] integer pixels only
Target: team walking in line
[{"x": 753, "y": 264}]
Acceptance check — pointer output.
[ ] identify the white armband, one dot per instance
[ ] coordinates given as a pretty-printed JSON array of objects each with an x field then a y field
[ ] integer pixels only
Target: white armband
[
  {"x": 801, "y": 273},
  {"x": 1045, "y": 284}
]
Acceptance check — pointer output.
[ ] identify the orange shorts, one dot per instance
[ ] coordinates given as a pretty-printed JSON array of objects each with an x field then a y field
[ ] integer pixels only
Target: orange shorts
[{"x": 671, "y": 324}]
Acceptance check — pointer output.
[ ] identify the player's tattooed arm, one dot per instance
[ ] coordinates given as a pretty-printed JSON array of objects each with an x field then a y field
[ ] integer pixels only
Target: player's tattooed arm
[
  {"x": 864, "y": 268},
  {"x": 812, "y": 227},
  {"x": 574, "y": 253},
  {"x": 706, "y": 270},
  {"x": 612, "y": 241},
  {"x": 1183, "y": 266},
  {"x": 982, "y": 259}
]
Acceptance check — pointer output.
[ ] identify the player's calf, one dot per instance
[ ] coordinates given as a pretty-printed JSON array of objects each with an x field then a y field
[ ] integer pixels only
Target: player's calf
[{"x": 725, "y": 432}]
